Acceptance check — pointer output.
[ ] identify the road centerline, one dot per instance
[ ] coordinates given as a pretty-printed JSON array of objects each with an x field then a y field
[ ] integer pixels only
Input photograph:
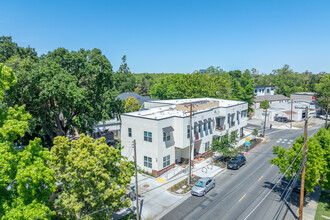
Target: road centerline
[
  {"x": 260, "y": 178},
  {"x": 242, "y": 197}
]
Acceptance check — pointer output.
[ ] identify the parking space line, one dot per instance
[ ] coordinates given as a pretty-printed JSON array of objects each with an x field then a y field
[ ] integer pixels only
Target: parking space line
[
  {"x": 260, "y": 178},
  {"x": 272, "y": 165},
  {"x": 242, "y": 197}
]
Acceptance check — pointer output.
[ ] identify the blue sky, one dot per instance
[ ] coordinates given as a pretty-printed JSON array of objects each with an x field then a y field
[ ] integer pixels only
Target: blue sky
[{"x": 179, "y": 35}]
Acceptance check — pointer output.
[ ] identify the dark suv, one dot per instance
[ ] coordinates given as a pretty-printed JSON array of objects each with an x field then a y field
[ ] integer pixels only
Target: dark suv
[{"x": 236, "y": 162}]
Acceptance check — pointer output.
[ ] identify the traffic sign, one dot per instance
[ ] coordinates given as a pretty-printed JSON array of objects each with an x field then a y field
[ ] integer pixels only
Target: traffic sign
[{"x": 313, "y": 97}]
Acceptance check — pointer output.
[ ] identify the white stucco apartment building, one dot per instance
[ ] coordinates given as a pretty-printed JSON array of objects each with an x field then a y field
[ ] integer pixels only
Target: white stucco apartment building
[{"x": 162, "y": 130}]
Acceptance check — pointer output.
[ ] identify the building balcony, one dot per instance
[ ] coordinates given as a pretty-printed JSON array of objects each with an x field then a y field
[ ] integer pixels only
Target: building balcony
[{"x": 220, "y": 128}]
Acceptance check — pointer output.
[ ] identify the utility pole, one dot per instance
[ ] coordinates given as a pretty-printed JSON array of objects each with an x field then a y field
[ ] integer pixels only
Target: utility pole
[
  {"x": 190, "y": 146},
  {"x": 265, "y": 124},
  {"x": 291, "y": 114},
  {"x": 326, "y": 116},
  {"x": 136, "y": 183},
  {"x": 302, "y": 188}
]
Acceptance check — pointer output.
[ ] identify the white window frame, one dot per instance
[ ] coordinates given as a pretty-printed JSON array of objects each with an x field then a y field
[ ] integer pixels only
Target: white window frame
[
  {"x": 166, "y": 136},
  {"x": 147, "y": 136},
  {"x": 147, "y": 161},
  {"x": 129, "y": 132},
  {"x": 166, "y": 161}
]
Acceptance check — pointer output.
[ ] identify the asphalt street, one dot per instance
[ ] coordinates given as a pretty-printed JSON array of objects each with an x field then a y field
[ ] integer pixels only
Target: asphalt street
[{"x": 238, "y": 192}]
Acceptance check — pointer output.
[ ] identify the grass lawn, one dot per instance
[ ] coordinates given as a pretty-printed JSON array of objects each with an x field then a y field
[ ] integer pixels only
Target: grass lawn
[{"x": 323, "y": 207}]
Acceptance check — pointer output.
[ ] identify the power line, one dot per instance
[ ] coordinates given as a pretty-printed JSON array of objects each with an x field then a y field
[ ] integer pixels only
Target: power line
[
  {"x": 288, "y": 189},
  {"x": 279, "y": 179}
]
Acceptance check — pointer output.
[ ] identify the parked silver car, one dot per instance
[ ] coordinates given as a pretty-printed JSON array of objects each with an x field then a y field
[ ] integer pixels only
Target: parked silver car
[{"x": 202, "y": 186}]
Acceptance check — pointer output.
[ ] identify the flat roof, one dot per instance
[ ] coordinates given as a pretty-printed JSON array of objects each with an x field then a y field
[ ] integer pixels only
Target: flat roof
[
  {"x": 303, "y": 93},
  {"x": 170, "y": 109}
]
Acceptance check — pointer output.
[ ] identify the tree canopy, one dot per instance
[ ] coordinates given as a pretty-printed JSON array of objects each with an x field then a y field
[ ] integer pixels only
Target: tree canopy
[
  {"x": 264, "y": 104},
  {"x": 131, "y": 105},
  {"x": 65, "y": 92},
  {"x": 26, "y": 181},
  {"x": 94, "y": 176},
  {"x": 318, "y": 159}
]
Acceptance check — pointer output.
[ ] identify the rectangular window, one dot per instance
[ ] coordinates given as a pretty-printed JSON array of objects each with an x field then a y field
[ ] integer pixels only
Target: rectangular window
[
  {"x": 129, "y": 132},
  {"x": 166, "y": 161},
  {"x": 166, "y": 136},
  {"x": 209, "y": 125},
  {"x": 147, "y": 162},
  {"x": 207, "y": 146},
  {"x": 188, "y": 131},
  {"x": 204, "y": 126},
  {"x": 200, "y": 128},
  {"x": 195, "y": 129},
  {"x": 243, "y": 114},
  {"x": 147, "y": 136}
]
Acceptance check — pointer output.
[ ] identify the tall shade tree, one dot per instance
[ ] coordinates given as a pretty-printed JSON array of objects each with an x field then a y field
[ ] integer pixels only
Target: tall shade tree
[
  {"x": 66, "y": 92},
  {"x": 247, "y": 84},
  {"x": 124, "y": 79},
  {"x": 26, "y": 181},
  {"x": 94, "y": 176},
  {"x": 316, "y": 165}
]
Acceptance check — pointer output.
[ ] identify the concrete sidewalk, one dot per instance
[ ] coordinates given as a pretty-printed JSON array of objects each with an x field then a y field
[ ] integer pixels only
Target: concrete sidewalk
[
  {"x": 310, "y": 205},
  {"x": 156, "y": 200}
]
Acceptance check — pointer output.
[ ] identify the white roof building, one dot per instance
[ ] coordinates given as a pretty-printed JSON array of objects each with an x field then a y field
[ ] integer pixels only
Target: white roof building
[{"x": 162, "y": 130}]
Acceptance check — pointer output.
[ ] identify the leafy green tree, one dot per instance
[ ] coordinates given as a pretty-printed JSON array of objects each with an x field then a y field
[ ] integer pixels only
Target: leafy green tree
[
  {"x": 124, "y": 79},
  {"x": 211, "y": 71},
  {"x": 247, "y": 84},
  {"x": 94, "y": 176},
  {"x": 7, "y": 48},
  {"x": 323, "y": 89},
  {"x": 236, "y": 74},
  {"x": 316, "y": 165},
  {"x": 131, "y": 105},
  {"x": 226, "y": 146},
  {"x": 264, "y": 104},
  {"x": 195, "y": 85},
  {"x": 144, "y": 87},
  {"x": 26, "y": 181},
  {"x": 237, "y": 89},
  {"x": 323, "y": 137},
  {"x": 255, "y": 132},
  {"x": 66, "y": 91}
]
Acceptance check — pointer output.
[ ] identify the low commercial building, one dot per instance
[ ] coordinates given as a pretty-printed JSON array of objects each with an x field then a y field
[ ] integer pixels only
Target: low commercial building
[
  {"x": 282, "y": 112},
  {"x": 162, "y": 130},
  {"x": 272, "y": 99},
  {"x": 303, "y": 97}
]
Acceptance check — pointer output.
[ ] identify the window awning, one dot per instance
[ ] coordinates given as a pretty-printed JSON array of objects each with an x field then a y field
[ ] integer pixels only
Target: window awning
[
  {"x": 168, "y": 129},
  {"x": 210, "y": 119},
  {"x": 200, "y": 122},
  {"x": 205, "y": 120},
  {"x": 195, "y": 124}
]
